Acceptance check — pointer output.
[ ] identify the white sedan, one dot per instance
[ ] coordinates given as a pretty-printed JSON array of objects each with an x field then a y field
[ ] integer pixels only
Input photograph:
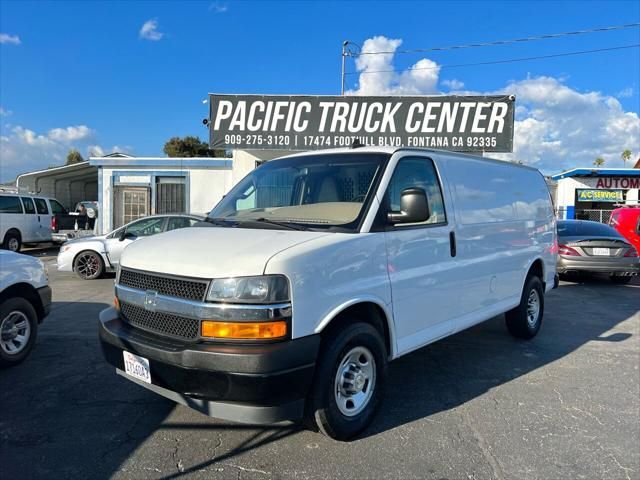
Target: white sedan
[{"x": 90, "y": 257}]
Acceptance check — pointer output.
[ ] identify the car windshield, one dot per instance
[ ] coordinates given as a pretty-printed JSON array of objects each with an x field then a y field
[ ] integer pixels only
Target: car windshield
[
  {"x": 579, "y": 228},
  {"x": 315, "y": 190}
]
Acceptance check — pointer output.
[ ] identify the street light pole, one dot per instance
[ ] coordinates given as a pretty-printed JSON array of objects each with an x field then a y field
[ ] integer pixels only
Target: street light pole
[{"x": 344, "y": 57}]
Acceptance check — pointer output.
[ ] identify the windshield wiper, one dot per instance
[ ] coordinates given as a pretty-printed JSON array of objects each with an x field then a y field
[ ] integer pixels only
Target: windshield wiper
[
  {"x": 292, "y": 226},
  {"x": 219, "y": 221}
]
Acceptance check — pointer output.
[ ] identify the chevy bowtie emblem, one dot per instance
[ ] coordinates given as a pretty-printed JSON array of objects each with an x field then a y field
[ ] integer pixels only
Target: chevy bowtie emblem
[{"x": 150, "y": 300}]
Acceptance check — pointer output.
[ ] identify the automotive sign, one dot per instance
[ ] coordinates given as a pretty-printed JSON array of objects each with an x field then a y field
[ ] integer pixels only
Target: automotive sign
[
  {"x": 265, "y": 122},
  {"x": 612, "y": 196}
]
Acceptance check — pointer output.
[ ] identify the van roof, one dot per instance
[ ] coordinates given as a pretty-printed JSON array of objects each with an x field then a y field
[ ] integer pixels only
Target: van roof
[
  {"x": 392, "y": 150},
  {"x": 20, "y": 194}
]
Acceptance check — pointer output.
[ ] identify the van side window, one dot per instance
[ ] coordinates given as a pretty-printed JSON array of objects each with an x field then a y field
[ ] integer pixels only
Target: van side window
[
  {"x": 56, "y": 207},
  {"x": 41, "y": 206},
  {"x": 417, "y": 172},
  {"x": 10, "y": 205},
  {"x": 28, "y": 205}
]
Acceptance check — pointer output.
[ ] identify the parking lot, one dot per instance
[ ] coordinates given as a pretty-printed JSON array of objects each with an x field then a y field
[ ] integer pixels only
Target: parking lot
[{"x": 477, "y": 405}]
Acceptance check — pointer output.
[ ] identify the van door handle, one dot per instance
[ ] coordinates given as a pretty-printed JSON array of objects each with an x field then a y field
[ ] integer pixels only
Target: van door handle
[{"x": 452, "y": 243}]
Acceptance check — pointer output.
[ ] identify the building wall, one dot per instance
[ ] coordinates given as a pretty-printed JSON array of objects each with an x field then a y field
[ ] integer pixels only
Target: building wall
[{"x": 568, "y": 186}]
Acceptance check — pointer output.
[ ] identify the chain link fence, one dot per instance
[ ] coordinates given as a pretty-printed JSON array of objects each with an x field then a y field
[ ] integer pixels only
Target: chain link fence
[{"x": 601, "y": 216}]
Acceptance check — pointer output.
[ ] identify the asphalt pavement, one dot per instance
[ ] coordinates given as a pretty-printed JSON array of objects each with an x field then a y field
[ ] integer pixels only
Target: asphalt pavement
[{"x": 478, "y": 405}]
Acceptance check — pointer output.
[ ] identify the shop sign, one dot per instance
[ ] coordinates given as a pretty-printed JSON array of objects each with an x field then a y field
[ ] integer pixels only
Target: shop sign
[
  {"x": 618, "y": 182},
  {"x": 612, "y": 196},
  {"x": 286, "y": 122}
]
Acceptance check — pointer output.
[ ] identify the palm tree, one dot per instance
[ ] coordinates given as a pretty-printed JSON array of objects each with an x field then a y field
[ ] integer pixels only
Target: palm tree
[
  {"x": 598, "y": 162},
  {"x": 626, "y": 155}
]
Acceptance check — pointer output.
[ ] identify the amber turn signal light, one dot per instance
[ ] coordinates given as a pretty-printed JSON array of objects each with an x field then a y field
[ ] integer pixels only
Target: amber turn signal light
[
  {"x": 244, "y": 330},
  {"x": 116, "y": 303}
]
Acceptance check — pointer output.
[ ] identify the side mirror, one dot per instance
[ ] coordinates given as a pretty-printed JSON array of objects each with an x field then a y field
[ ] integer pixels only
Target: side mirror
[
  {"x": 414, "y": 207},
  {"x": 124, "y": 234}
]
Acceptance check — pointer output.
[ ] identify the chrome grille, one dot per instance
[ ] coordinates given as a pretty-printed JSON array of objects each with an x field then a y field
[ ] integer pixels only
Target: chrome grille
[
  {"x": 187, "y": 288},
  {"x": 160, "y": 322}
]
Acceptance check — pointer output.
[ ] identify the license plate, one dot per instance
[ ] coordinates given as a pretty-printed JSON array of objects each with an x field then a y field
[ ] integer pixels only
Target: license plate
[
  {"x": 137, "y": 367},
  {"x": 601, "y": 251}
]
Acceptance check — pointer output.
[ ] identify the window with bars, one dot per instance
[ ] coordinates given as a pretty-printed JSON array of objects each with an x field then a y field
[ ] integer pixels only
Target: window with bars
[{"x": 170, "y": 195}]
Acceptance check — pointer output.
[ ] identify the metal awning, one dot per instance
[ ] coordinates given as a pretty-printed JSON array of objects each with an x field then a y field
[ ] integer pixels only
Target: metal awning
[{"x": 68, "y": 184}]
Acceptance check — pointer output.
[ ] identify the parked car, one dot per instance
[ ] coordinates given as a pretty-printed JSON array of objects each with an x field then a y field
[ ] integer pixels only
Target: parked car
[
  {"x": 25, "y": 300},
  {"x": 26, "y": 219},
  {"x": 626, "y": 221},
  {"x": 90, "y": 257},
  {"x": 78, "y": 223},
  {"x": 317, "y": 269},
  {"x": 585, "y": 246}
]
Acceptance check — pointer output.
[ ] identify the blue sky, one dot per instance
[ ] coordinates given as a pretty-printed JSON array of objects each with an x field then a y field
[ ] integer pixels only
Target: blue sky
[{"x": 84, "y": 64}]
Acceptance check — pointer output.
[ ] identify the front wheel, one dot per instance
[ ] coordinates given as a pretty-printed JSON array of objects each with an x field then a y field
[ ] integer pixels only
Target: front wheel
[
  {"x": 524, "y": 321},
  {"x": 88, "y": 265},
  {"x": 12, "y": 242},
  {"x": 349, "y": 382},
  {"x": 18, "y": 329}
]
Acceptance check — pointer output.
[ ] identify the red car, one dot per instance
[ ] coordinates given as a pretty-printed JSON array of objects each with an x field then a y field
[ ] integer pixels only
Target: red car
[{"x": 626, "y": 221}]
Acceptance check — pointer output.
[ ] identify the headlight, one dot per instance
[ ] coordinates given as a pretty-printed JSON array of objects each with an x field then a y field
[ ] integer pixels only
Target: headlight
[{"x": 263, "y": 289}]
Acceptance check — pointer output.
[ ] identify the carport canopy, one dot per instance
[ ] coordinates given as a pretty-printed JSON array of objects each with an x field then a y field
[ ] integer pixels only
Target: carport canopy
[{"x": 68, "y": 184}]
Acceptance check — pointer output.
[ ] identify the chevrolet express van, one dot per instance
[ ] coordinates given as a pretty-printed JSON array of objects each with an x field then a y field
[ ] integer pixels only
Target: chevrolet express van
[{"x": 317, "y": 269}]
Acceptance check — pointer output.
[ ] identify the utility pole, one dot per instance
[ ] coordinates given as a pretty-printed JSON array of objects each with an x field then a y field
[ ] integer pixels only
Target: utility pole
[{"x": 344, "y": 57}]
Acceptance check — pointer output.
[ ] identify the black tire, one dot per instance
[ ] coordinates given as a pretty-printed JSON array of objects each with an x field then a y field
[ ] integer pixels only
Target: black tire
[
  {"x": 12, "y": 241},
  {"x": 88, "y": 265},
  {"x": 519, "y": 323},
  {"x": 10, "y": 312},
  {"x": 322, "y": 410},
  {"x": 620, "y": 280}
]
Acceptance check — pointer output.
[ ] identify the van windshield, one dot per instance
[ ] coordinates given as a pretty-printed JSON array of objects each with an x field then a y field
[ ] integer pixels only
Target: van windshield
[{"x": 317, "y": 191}]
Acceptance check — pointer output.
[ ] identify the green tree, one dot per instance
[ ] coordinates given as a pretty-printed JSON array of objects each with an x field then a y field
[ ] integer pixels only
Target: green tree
[
  {"x": 74, "y": 157},
  {"x": 626, "y": 155},
  {"x": 598, "y": 162},
  {"x": 190, "y": 147}
]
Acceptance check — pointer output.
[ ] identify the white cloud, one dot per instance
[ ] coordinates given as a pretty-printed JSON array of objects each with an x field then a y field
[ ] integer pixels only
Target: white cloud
[
  {"x": 625, "y": 93},
  {"x": 23, "y": 150},
  {"x": 9, "y": 39},
  {"x": 149, "y": 30},
  {"x": 99, "y": 151},
  {"x": 453, "y": 84},
  {"x": 556, "y": 126},
  {"x": 385, "y": 80},
  {"x": 70, "y": 134},
  {"x": 5, "y": 113},
  {"x": 218, "y": 7}
]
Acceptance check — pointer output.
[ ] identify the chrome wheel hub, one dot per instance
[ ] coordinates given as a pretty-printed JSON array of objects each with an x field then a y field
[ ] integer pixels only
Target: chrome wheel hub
[
  {"x": 533, "y": 308},
  {"x": 15, "y": 332},
  {"x": 13, "y": 244},
  {"x": 355, "y": 381}
]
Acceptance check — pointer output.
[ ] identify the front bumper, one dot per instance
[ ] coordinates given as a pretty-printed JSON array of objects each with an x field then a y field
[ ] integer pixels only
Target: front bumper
[
  {"x": 45, "y": 300},
  {"x": 624, "y": 265},
  {"x": 260, "y": 384}
]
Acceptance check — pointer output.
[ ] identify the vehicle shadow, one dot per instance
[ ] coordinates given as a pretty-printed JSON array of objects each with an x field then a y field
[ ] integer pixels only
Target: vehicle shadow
[{"x": 464, "y": 366}]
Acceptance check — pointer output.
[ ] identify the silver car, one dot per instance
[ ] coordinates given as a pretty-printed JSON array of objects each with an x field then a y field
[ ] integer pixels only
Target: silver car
[
  {"x": 90, "y": 257},
  {"x": 585, "y": 246}
]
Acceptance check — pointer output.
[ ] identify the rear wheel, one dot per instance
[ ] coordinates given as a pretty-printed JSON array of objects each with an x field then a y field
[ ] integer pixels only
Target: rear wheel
[
  {"x": 88, "y": 265},
  {"x": 18, "y": 329},
  {"x": 12, "y": 241},
  {"x": 349, "y": 382},
  {"x": 525, "y": 320},
  {"x": 620, "y": 280}
]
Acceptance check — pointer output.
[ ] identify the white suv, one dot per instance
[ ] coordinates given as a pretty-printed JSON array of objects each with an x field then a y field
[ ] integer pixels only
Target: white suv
[
  {"x": 26, "y": 219},
  {"x": 25, "y": 300}
]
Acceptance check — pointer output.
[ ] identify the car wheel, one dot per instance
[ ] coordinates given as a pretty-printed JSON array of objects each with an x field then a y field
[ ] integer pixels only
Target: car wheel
[
  {"x": 12, "y": 242},
  {"x": 349, "y": 382},
  {"x": 620, "y": 280},
  {"x": 18, "y": 330},
  {"x": 525, "y": 320},
  {"x": 88, "y": 265}
]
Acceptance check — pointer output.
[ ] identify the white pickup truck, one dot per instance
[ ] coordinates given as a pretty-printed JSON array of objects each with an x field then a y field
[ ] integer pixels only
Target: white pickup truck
[
  {"x": 25, "y": 300},
  {"x": 317, "y": 269}
]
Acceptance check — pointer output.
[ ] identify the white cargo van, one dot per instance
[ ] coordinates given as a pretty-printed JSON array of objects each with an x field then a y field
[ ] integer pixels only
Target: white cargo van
[
  {"x": 26, "y": 218},
  {"x": 317, "y": 269}
]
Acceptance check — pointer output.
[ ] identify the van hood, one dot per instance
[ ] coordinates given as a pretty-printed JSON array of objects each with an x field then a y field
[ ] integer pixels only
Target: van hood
[{"x": 212, "y": 252}]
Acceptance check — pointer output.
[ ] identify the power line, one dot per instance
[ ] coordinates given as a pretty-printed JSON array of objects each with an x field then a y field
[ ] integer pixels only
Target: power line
[
  {"x": 495, "y": 62},
  {"x": 502, "y": 42}
]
